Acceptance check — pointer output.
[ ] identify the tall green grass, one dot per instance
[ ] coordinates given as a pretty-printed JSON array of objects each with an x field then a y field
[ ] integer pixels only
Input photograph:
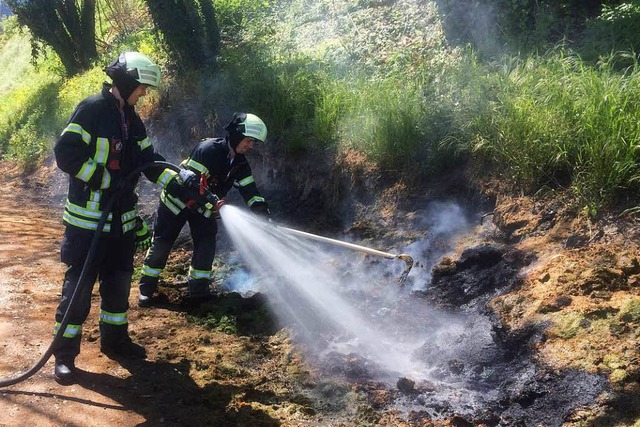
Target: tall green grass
[{"x": 556, "y": 121}]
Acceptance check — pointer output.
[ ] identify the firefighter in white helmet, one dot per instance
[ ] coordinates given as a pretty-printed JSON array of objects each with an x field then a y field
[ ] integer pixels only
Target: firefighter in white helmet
[
  {"x": 102, "y": 143},
  {"x": 218, "y": 164}
]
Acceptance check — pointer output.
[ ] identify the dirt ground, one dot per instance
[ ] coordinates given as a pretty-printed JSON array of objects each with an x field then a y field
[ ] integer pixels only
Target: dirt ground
[{"x": 203, "y": 371}]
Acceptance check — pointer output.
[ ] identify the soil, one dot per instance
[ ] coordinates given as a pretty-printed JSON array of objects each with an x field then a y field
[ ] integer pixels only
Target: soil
[{"x": 583, "y": 290}]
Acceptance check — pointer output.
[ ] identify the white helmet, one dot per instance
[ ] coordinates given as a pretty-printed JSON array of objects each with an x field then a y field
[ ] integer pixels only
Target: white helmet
[{"x": 248, "y": 125}]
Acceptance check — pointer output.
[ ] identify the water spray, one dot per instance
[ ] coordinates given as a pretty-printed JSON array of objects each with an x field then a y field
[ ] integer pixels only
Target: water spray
[{"x": 369, "y": 251}]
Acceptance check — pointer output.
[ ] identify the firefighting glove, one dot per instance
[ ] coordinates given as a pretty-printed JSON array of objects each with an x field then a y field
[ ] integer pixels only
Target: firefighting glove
[
  {"x": 261, "y": 209},
  {"x": 143, "y": 236}
]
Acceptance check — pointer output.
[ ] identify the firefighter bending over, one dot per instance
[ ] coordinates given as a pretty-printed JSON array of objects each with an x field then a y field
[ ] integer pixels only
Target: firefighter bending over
[{"x": 218, "y": 164}]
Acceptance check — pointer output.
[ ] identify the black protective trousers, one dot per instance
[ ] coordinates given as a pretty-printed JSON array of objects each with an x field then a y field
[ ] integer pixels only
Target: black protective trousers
[
  {"x": 166, "y": 229},
  {"x": 112, "y": 266}
]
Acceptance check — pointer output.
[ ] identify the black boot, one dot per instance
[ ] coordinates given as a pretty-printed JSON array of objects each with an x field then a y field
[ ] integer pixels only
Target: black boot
[
  {"x": 198, "y": 291},
  {"x": 115, "y": 342},
  {"x": 123, "y": 348},
  {"x": 148, "y": 287},
  {"x": 145, "y": 300},
  {"x": 64, "y": 372}
]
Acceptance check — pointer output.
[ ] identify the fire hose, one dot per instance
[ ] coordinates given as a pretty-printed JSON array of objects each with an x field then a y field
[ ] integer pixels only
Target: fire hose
[
  {"x": 404, "y": 257},
  {"x": 90, "y": 255}
]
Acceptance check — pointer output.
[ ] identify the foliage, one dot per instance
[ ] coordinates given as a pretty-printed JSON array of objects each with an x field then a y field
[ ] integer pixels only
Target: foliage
[
  {"x": 616, "y": 29},
  {"x": 566, "y": 326},
  {"x": 494, "y": 27},
  {"x": 536, "y": 121},
  {"x": 630, "y": 311},
  {"x": 189, "y": 28},
  {"x": 68, "y": 27},
  {"x": 555, "y": 121},
  {"x": 35, "y": 107},
  {"x": 119, "y": 21}
]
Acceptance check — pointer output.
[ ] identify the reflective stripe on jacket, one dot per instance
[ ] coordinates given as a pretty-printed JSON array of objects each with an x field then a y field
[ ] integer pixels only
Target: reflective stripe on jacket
[{"x": 97, "y": 152}]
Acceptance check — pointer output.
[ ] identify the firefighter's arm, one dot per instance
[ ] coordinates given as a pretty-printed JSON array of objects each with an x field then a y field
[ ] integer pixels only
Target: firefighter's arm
[
  {"x": 246, "y": 184},
  {"x": 73, "y": 152}
]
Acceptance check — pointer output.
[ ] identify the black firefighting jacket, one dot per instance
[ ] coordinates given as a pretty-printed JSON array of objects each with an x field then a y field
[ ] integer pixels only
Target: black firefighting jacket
[
  {"x": 99, "y": 147},
  {"x": 211, "y": 158}
]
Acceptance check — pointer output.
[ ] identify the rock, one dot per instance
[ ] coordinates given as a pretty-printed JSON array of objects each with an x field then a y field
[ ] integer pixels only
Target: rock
[{"x": 406, "y": 385}]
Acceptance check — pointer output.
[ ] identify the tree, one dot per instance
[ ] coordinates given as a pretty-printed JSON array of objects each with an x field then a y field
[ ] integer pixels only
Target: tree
[
  {"x": 67, "y": 26},
  {"x": 189, "y": 29}
]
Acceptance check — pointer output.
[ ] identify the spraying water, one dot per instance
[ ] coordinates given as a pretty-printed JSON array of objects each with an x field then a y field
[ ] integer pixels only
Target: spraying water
[{"x": 301, "y": 279}]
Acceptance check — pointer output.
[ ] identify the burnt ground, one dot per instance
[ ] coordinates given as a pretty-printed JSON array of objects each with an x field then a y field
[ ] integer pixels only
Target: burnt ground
[{"x": 551, "y": 311}]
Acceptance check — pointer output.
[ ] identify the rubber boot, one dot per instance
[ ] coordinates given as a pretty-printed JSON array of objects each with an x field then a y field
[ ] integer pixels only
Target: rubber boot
[
  {"x": 198, "y": 291},
  {"x": 148, "y": 286},
  {"x": 65, "y": 354},
  {"x": 145, "y": 300},
  {"x": 64, "y": 372},
  {"x": 116, "y": 343}
]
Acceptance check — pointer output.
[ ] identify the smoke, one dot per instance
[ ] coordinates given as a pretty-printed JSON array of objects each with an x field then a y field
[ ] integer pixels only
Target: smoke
[{"x": 442, "y": 221}]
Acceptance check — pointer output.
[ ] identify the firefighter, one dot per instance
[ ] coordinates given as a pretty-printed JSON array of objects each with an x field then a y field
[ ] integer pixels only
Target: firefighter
[
  {"x": 104, "y": 141},
  {"x": 218, "y": 164}
]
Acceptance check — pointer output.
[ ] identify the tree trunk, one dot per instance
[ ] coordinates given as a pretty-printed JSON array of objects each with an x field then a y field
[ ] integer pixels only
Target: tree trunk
[{"x": 69, "y": 31}]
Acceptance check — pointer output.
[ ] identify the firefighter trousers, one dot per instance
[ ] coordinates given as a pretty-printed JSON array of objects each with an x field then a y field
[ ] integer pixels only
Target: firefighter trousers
[
  {"x": 112, "y": 266},
  {"x": 166, "y": 229}
]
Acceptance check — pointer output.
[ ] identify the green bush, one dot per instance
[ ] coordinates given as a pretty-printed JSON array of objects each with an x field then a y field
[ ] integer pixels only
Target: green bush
[{"x": 614, "y": 30}]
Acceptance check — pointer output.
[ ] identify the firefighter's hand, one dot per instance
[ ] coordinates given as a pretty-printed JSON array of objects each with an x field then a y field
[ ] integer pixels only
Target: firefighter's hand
[
  {"x": 143, "y": 236},
  {"x": 189, "y": 178},
  {"x": 176, "y": 188}
]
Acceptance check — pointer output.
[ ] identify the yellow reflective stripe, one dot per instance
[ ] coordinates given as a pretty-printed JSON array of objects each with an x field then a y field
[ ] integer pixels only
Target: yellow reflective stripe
[
  {"x": 113, "y": 318},
  {"x": 199, "y": 274},
  {"x": 106, "y": 179},
  {"x": 151, "y": 272},
  {"x": 91, "y": 213},
  {"x": 76, "y": 128},
  {"x": 198, "y": 166},
  {"x": 102, "y": 151},
  {"x": 87, "y": 170},
  {"x": 93, "y": 204},
  {"x": 166, "y": 176},
  {"x": 128, "y": 216},
  {"x": 83, "y": 223},
  {"x": 255, "y": 199},
  {"x": 128, "y": 226},
  {"x": 129, "y": 220},
  {"x": 248, "y": 180},
  {"x": 173, "y": 204},
  {"x": 144, "y": 143},
  {"x": 70, "y": 331}
]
